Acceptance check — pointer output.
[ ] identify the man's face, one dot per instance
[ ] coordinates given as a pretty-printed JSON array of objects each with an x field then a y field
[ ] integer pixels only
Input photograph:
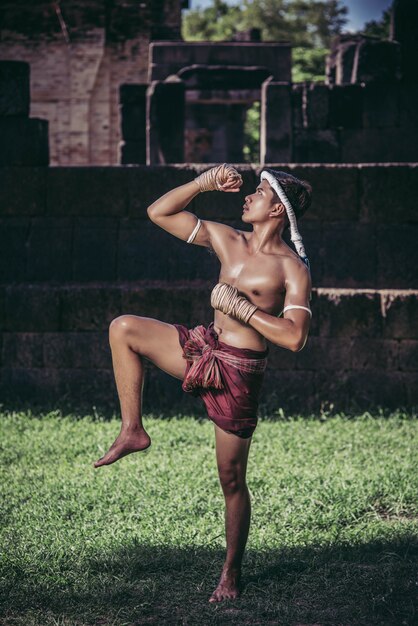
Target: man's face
[{"x": 259, "y": 205}]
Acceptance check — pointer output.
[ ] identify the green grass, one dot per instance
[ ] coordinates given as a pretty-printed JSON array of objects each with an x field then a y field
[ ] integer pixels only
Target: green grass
[{"x": 333, "y": 539}]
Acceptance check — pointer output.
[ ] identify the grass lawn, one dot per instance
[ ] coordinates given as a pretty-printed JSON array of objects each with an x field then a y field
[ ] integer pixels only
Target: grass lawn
[{"x": 333, "y": 539}]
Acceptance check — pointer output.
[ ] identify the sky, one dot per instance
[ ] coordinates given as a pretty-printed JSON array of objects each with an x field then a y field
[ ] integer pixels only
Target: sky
[{"x": 359, "y": 11}]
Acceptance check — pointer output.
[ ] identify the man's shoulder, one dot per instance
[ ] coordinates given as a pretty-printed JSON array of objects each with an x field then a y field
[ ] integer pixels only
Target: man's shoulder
[{"x": 222, "y": 230}]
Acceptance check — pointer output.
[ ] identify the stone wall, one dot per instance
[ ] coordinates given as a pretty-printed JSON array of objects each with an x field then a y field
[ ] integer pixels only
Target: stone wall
[
  {"x": 362, "y": 350},
  {"x": 80, "y": 224},
  {"x": 79, "y": 57},
  {"x": 353, "y": 123},
  {"x": 77, "y": 250}
]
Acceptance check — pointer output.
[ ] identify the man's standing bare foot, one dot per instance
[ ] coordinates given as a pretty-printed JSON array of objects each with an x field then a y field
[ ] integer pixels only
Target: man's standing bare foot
[
  {"x": 228, "y": 587},
  {"x": 130, "y": 439}
]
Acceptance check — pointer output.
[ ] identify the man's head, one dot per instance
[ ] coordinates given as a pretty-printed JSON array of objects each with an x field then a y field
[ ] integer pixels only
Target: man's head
[
  {"x": 280, "y": 197},
  {"x": 298, "y": 192}
]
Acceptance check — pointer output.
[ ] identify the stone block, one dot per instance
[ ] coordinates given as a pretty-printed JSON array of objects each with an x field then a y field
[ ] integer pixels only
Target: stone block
[
  {"x": 291, "y": 391},
  {"x": 297, "y": 92},
  {"x": 185, "y": 303},
  {"x": 388, "y": 193},
  {"x": 335, "y": 191},
  {"x": 23, "y": 141},
  {"x": 147, "y": 252},
  {"x": 331, "y": 390},
  {"x": 317, "y": 105},
  {"x": 276, "y": 122},
  {"x": 372, "y": 389},
  {"x": 381, "y": 105},
  {"x": 22, "y": 190},
  {"x": 348, "y": 254},
  {"x": 22, "y": 350},
  {"x": 400, "y": 312},
  {"x": 404, "y": 29},
  {"x": 168, "y": 57},
  {"x": 397, "y": 256},
  {"x": 95, "y": 248},
  {"x": 344, "y": 60},
  {"x": 408, "y": 102},
  {"x": 349, "y": 313},
  {"x": 49, "y": 249},
  {"x": 77, "y": 350},
  {"x": 345, "y": 106},
  {"x": 88, "y": 191},
  {"x": 321, "y": 353},
  {"x": 89, "y": 308},
  {"x": 377, "y": 61},
  {"x": 408, "y": 356},
  {"x": 165, "y": 122},
  {"x": 316, "y": 146},
  {"x": 30, "y": 308},
  {"x": 378, "y": 145},
  {"x": 13, "y": 236},
  {"x": 148, "y": 183},
  {"x": 14, "y": 88},
  {"x": 375, "y": 354},
  {"x": 281, "y": 358},
  {"x": 411, "y": 390},
  {"x": 71, "y": 386}
]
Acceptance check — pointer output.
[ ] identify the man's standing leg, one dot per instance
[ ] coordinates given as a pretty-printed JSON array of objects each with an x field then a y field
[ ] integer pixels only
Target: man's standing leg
[
  {"x": 131, "y": 338},
  {"x": 232, "y": 456}
]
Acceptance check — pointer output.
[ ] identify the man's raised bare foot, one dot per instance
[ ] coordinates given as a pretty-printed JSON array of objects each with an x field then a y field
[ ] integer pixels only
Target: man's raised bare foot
[
  {"x": 127, "y": 442},
  {"x": 229, "y": 586}
]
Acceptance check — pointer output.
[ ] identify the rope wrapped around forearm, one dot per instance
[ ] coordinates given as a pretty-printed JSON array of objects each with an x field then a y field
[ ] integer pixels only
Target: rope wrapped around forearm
[
  {"x": 225, "y": 298},
  {"x": 213, "y": 179}
]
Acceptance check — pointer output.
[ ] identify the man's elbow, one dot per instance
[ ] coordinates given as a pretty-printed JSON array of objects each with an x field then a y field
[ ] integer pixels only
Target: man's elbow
[
  {"x": 151, "y": 213},
  {"x": 298, "y": 345}
]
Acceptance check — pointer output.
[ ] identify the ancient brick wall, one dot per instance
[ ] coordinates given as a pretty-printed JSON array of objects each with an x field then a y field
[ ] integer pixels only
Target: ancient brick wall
[
  {"x": 79, "y": 57},
  {"x": 77, "y": 250}
]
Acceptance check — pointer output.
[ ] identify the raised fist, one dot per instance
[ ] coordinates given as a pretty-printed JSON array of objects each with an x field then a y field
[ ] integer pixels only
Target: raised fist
[{"x": 220, "y": 178}]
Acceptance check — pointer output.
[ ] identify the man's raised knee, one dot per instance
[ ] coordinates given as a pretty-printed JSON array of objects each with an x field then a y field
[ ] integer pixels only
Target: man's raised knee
[{"x": 120, "y": 325}]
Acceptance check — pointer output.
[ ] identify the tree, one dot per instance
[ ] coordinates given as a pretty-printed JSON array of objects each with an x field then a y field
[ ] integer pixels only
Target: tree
[
  {"x": 304, "y": 23},
  {"x": 308, "y": 25},
  {"x": 380, "y": 28}
]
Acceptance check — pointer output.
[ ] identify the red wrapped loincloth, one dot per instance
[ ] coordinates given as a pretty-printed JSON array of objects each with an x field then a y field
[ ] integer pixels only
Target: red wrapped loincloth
[{"x": 227, "y": 378}]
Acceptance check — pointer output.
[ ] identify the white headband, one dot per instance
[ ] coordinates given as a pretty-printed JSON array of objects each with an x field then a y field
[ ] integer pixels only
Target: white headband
[{"x": 294, "y": 232}]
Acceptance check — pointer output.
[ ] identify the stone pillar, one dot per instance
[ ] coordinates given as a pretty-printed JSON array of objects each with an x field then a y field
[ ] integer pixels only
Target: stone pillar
[
  {"x": 133, "y": 101},
  {"x": 276, "y": 123},
  {"x": 404, "y": 29},
  {"x": 165, "y": 122},
  {"x": 23, "y": 141}
]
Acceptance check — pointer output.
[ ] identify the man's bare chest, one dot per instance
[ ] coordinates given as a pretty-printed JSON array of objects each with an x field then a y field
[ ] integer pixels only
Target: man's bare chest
[{"x": 260, "y": 278}]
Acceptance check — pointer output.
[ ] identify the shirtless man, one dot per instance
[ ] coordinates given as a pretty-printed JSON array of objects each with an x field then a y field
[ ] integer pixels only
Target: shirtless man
[{"x": 261, "y": 276}]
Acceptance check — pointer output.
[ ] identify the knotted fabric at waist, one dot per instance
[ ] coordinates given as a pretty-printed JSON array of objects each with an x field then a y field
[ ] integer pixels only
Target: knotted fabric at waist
[{"x": 205, "y": 371}]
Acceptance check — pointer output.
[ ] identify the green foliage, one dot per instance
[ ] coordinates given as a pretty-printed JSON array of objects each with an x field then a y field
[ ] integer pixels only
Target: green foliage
[
  {"x": 218, "y": 22},
  {"x": 334, "y": 523},
  {"x": 379, "y": 28},
  {"x": 303, "y": 23},
  {"x": 308, "y": 64},
  {"x": 252, "y": 134}
]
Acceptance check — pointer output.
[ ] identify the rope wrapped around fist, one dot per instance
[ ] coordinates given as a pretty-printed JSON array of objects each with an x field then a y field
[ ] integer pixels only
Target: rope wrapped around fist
[
  {"x": 213, "y": 179},
  {"x": 225, "y": 298}
]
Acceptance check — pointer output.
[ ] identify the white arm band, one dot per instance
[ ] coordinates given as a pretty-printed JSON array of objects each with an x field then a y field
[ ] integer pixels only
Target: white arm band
[
  {"x": 195, "y": 231},
  {"x": 296, "y": 306}
]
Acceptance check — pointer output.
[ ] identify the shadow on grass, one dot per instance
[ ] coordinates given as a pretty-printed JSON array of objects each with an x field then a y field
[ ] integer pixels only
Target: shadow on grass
[{"x": 370, "y": 584}]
